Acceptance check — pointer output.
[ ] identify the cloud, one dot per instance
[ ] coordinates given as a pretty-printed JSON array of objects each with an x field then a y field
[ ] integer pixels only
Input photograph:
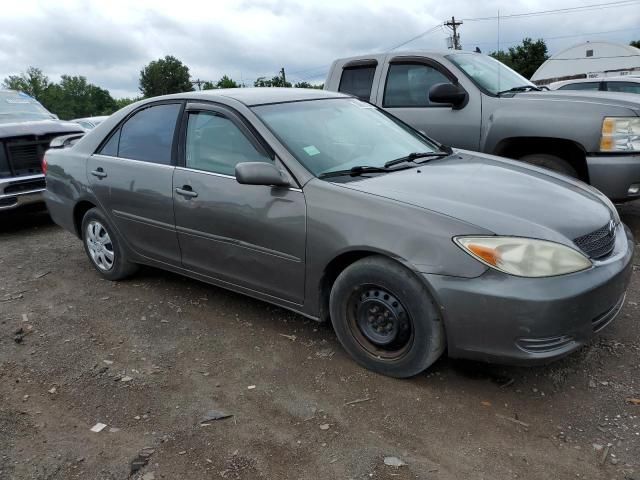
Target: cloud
[{"x": 109, "y": 42}]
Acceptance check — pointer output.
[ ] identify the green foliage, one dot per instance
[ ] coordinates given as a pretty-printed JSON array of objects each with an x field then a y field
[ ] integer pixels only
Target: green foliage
[
  {"x": 123, "y": 102},
  {"x": 208, "y": 85},
  {"x": 276, "y": 81},
  {"x": 635, "y": 43},
  {"x": 163, "y": 76},
  {"x": 525, "y": 58},
  {"x": 73, "y": 97},
  {"x": 32, "y": 82},
  {"x": 226, "y": 82},
  {"x": 309, "y": 85}
]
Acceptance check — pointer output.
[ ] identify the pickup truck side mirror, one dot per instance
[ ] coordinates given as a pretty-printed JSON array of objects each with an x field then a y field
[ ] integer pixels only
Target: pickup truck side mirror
[
  {"x": 448, "y": 93},
  {"x": 260, "y": 173}
]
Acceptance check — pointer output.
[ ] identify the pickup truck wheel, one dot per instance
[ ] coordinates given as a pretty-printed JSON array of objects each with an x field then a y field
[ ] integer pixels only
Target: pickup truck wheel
[
  {"x": 551, "y": 162},
  {"x": 385, "y": 318},
  {"x": 103, "y": 248}
]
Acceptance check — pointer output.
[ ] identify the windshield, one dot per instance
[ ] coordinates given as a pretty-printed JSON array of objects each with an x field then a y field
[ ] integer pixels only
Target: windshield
[
  {"x": 339, "y": 134},
  {"x": 488, "y": 73},
  {"x": 18, "y": 106}
]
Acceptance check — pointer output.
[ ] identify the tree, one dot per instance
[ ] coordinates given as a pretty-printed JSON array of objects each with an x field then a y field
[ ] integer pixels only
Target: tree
[
  {"x": 163, "y": 76},
  {"x": 635, "y": 43},
  {"x": 525, "y": 58},
  {"x": 226, "y": 82},
  {"x": 208, "y": 85},
  {"x": 304, "y": 84},
  {"x": 123, "y": 102},
  {"x": 74, "y": 97},
  {"x": 32, "y": 82},
  {"x": 276, "y": 81}
]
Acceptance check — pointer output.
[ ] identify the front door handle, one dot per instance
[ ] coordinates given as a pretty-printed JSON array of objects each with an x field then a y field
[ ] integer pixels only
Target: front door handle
[
  {"x": 99, "y": 172},
  {"x": 186, "y": 191}
]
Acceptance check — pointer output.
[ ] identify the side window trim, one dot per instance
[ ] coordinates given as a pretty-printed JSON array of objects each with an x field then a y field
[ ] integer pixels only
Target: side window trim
[
  {"x": 360, "y": 65},
  {"x": 194, "y": 107},
  {"x": 418, "y": 61}
]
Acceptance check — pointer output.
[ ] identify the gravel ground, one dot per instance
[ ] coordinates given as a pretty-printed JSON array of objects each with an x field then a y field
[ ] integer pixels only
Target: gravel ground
[{"x": 152, "y": 356}]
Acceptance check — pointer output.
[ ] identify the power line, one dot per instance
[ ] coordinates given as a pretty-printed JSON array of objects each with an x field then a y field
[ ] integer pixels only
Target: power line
[
  {"x": 431, "y": 30},
  {"x": 510, "y": 42},
  {"x": 595, "y": 6}
]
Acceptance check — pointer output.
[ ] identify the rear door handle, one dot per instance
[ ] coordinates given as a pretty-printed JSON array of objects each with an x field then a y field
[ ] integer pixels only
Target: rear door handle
[
  {"x": 99, "y": 172},
  {"x": 186, "y": 191}
]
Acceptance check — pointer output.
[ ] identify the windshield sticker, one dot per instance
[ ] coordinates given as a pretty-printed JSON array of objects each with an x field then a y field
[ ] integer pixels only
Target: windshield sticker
[
  {"x": 17, "y": 100},
  {"x": 311, "y": 150}
]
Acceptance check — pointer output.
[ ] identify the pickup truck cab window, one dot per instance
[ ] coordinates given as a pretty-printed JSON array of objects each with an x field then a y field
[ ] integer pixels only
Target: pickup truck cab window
[
  {"x": 408, "y": 85},
  {"x": 626, "y": 87},
  {"x": 214, "y": 144},
  {"x": 358, "y": 81}
]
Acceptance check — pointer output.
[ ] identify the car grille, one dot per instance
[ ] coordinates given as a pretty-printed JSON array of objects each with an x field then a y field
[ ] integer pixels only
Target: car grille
[
  {"x": 25, "y": 186},
  {"x": 25, "y": 153},
  {"x": 598, "y": 243}
]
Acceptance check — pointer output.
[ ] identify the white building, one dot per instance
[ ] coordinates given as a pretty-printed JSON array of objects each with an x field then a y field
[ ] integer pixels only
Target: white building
[{"x": 589, "y": 60}]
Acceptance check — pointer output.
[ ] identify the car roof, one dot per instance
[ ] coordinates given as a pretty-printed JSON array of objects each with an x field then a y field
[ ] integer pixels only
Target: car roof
[{"x": 260, "y": 95}]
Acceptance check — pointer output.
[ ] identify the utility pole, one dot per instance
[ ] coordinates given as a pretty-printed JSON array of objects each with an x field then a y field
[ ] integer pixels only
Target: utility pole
[
  {"x": 455, "y": 39},
  {"x": 284, "y": 77},
  {"x": 198, "y": 82}
]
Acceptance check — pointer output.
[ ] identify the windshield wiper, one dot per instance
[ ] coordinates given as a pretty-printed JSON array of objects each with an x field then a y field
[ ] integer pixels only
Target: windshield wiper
[
  {"x": 355, "y": 171},
  {"x": 523, "y": 88},
  {"x": 414, "y": 156}
]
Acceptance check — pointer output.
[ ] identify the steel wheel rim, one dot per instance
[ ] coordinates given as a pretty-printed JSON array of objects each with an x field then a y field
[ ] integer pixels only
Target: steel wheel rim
[
  {"x": 379, "y": 322},
  {"x": 100, "y": 246}
]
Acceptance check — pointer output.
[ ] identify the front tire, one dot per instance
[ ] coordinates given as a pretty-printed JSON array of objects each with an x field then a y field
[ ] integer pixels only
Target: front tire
[
  {"x": 103, "y": 248},
  {"x": 385, "y": 318},
  {"x": 551, "y": 162}
]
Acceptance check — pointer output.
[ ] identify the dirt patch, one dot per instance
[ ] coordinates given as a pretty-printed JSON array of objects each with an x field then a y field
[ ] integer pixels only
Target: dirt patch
[{"x": 149, "y": 357}]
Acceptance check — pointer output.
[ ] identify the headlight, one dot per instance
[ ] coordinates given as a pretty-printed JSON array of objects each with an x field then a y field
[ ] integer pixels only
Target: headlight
[
  {"x": 620, "y": 134},
  {"x": 524, "y": 257}
]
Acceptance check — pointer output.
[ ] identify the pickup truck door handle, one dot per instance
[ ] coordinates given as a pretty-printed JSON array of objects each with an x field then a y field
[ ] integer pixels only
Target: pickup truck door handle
[
  {"x": 99, "y": 172},
  {"x": 186, "y": 191}
]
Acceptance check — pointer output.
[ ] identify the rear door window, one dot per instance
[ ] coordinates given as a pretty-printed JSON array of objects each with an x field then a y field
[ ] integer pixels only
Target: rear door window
[
  {"x": 408, "y": 85},
  {"x": 358, "y": 81},
  {"x": 148, "y": 134}
]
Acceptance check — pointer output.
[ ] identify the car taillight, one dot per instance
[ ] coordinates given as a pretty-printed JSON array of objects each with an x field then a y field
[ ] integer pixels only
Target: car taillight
[{"x": 44, "y": 164}]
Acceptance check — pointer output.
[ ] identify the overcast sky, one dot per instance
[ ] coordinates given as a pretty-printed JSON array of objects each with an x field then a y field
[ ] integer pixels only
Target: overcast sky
[{"x": 110, "y": 41}]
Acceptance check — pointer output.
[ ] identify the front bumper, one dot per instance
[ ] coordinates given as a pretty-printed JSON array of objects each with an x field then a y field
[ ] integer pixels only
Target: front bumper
[
  {"x": 526, "y": 321},
  {"x": 16, "y": 192},
  {"x": 614, "y": 175}
]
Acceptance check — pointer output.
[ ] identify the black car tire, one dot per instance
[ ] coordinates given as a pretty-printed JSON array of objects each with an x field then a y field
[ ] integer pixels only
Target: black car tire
[
  {"x": 120, "y": 267},
  {"x": 550, "y": 162},
  {"x": 380, "y": 285}
]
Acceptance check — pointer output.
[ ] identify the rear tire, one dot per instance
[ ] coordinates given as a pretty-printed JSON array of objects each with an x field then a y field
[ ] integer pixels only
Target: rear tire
[
  {"x": 102, "y": 246},
  {"x": 551, "y": 162},
  {"x": 385, "y": 318}
]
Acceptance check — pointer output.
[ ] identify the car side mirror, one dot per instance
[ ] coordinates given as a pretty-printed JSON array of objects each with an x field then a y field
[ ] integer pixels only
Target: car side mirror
[
  {"x": 448, "y": 93},
  {"x": 260, "y": 173}
]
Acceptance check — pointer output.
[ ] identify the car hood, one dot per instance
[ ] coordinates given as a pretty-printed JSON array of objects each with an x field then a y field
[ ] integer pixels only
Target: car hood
[
  {"x": 37, "y": 127},
  {"x": 609, "y": 99},
  {"x": 503, "y": 196}
]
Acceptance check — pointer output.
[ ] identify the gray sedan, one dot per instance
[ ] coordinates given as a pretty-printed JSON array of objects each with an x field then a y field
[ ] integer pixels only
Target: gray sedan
[{"x": 328, "y": 206}]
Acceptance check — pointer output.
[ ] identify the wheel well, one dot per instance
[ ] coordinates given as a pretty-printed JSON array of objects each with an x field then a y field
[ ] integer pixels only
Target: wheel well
[
  {"x": 331, "y": 272},
  {"x": 568, "y": 150},
  {"x": 78, "y": 214}
]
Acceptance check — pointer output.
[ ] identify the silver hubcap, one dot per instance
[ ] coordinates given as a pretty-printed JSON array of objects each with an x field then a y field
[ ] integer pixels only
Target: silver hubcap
[{"x": 99, "y": 246}]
